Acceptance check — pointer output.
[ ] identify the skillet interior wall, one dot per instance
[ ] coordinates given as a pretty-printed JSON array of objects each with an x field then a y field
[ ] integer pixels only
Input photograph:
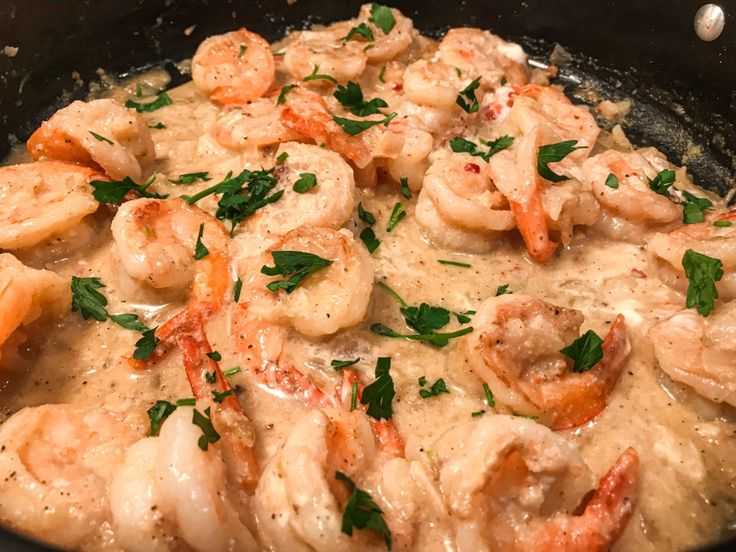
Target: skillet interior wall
[{"x": 684, "y": 90}]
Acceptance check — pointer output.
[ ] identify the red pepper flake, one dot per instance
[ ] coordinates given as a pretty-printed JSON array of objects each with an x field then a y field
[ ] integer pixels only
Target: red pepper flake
[
  {"x": 397, "y": 87},
  {"x": 472, "y": 167},
  {"x": 636, "y": 273}
]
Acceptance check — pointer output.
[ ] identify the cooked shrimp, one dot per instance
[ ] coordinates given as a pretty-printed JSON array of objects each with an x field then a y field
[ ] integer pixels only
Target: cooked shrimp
[
  {"x": 433, "y": 83},
  {"x": 43, "y": 199},
  {"x": 252, "y": 126},
  {"x": 235, "y": 67},
  {"x": 715, "y": 241},
  {"x": 326, "y": 52},
  {"x": 56, "y": 462},
  {"x": 412, "y": 160},
  {"x": 700, "y": 352},
  {"x": 98, "y": 133},
  {"x": 329, "y": 204},
  {"x": 479, "y": 53},
  {"x": 27, "y": 293},
  {"x": 156, "y": 240},
  {"x": 386, "y": 46},
  {"x": 633, "y": 199},
  {"x": 512, "y": 484},
  {"x": 515, "y": 348},
  {"x": 299, "y": 502}
]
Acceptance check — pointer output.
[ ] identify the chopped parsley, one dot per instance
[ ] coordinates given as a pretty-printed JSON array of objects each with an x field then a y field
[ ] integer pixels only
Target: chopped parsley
[
  {"x": 469, "y": 93},
  {"x": 463, "y": 317},
  {"x": 361, "y": 512},
  {"x": 295, "y": 265},
  {"x": 369, "y": 239},
  {"x": 204, "y": 422},
  {"x": 694, "y": 207},
  {"x": 200, "y": 250},
  {"x": 382, "y": 75},
  {"x": 232, "y": 371},
  {"x": 435, "y": 389},
  {"x": 662, "y": 182},
  {"x": 283, "y": 156},
  {"x": 158, "y": 126},
  {"x": 702, "y": 274},
  {"x": 353, "y": 396},
  {"x": 365, "y": 216},
  {"x": 585, "y": 351},
  {"x": 552, "y": 153},
  {"x": 218, "y": 397},
  {"x": 101, "y": 138},
  {"x": 161, "y": 100},
  {"x": 242, "y": 50},
  {"x": 157, "y": 414},
  {"x": 210, "y": 377},
  {"x": 340, "y": 364},
  {"x": 612, "y": 181},
  {"x": 317, "y": 76},
  {"x": 379, "y": 394},
  {"x": 405, "y": 191},
  {"x": 500, "y": 290},
  {"x": 436, "y": 339},
  {"x": 214, "y": 355},
  {"x": 477, "y": 414},
  {"x": 115, "y": 191},
  {"x": 353, "y": 127},
  {"x": 361, "y": 30},
  {"x": 190, "y": 401},
  {"x": 191, "y": 178},
  {"x": 145, "y": 346},
  {"x": 351, "y": 98},
  {"x": 241, "y": 196},
  {"x": 382, "y": 17},
  {"x": 723, "y": 223},
  {"x": 490, "y": 401},
  {"x": 461, "y": 145},
  {"x": 454, "y": 263},
  {"x": 284, "y": 91},
  {"x": 237, "y": 289},
  {"x": 129, "y": 322},
  {"x": 306, "y": 182},
  {"x": 397, "y": 214}
]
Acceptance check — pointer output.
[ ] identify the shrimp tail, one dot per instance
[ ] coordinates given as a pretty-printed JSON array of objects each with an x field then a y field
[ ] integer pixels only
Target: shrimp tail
[{"x": 532, "y": 222}]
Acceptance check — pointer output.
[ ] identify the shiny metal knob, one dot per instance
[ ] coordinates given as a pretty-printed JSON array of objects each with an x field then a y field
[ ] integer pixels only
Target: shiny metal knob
[{"x": 709, "y": 22}]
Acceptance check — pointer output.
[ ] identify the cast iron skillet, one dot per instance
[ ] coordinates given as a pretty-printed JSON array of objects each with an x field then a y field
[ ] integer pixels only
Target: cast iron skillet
[{"x": 683, "y": 89}]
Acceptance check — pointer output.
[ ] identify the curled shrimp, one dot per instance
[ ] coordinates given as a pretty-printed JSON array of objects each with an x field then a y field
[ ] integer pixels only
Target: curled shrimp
[
  {"x": 233, "y": 68},
  {"x": 326, "y": 52},
  {"x": 386, "y": 46},
  {"x": 516, "y": 347},
  {"x": 512, "y": 484},
  {"x": 412, "y": 160},
  {"x": 700, "y": 352},
  {"x": 460, "y": 191},
  {"x": 26, "y": 294},
  {"x": 433, "y": 84},
  {"x": 483, "y": 54},
  {"x": 56, "y": 462},
  {"x": 719, "y": 242},
  {"x": 43, "y": 199},
  {"x": 329, "y": 204},
  {"x": 98, "y": 133},
  {"x": 633, "y": 199},
  {"x": 253, "y": 126}
]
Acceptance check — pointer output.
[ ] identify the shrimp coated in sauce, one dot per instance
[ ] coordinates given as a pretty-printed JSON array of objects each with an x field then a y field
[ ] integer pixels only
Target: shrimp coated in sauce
[
  {"x": 512, "y": 484},
  {"x": 43, "y": 199},
  {"x": 386, "y": 46},
  {"x": 253, "y": 126},
  {"x": 233, "y": 68},
  {"x": 98, "y": 133},
  {"x": 515, "y": 349},
  {"x": 700, "y": 352},
  {"x": 327, "y": 53}
]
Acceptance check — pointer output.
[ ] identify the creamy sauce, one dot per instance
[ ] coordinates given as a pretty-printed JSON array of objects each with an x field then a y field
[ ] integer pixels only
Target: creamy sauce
[{"x": 685, "y": 444}]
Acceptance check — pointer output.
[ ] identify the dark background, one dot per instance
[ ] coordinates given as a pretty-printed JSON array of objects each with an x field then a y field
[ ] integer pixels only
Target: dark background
[{"x": 683, "y": 89}]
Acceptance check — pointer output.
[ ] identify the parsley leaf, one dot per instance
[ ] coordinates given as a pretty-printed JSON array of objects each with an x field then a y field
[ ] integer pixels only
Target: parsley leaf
[
  {"x": 87, "y": 300},
  {"x": 369, "y": 239},
  {"x": 612, "y": 181},
  {"x": 145, "y": 346},
  {"x": 210, "y": 377},
  {"x": 425, "y": 318},
  {"x": 115, "y": 191},
  {"x": 490, "y": 401},
  {"x": 723, "y": 223},
  {"x": 161, "y": 100},
  {"x": 219, "y": 397},
  {"x": 397, "y": 214},
  {"x": 316, "y": 76},
  {"x": 500, "y": 290},
  {"x": 361, "y": 511},
  {"x": 191, "y": 178},
  {"x": 694, "y": 207},
  {"x": 295, "y": 265},
  {"x": 158, "y": 126},
  {"x": 454, "y": 263},
  {"x": 585, "y": 351},
  {"x": 382, "y": 17},
  {"x": 242, "y": 50},
  {"x": 214, "y": 355},
  {"x": 359, "y": 30},
  {"x": 129, "y": 322},
  {"x": 190, "y": 401},
  {"x": 436, "y": 339},
  {"x": 237, "y": 288},
  {"x": 365, "y": 216},
  {"x": 437, "y": 387},
  {"x": 340, "y": 364},
  {"x": 662, "y": 182},
  {"x": 200, "y": 250},
  {"x": 284, "y": 91},
  {"x": 306, "y": 182},
  {"x": 238, "y": 202},
  {"x": 461, "y": 145},
  {"x": 351, "y": 98},
  {"x": 469, "y": 93},
  {"x": 283, "y": 156},
  {"x": 379, "y": 394},
  {"x": 100, "y": 138},
  {"x": 552, "y": 153},
  {"x": 232, "y": 371},
  {"x": 157, "y": 414},
  {"x": 702, "y": 274},
  {"x": 382, "y": 75},
  {"x": 204, "y": 422},
  {"x": 353, "y": 127},
  {"x": 353, "y": 396},
  {"x": 462, "y": 317},
  {"x": 405, "y": 191}
]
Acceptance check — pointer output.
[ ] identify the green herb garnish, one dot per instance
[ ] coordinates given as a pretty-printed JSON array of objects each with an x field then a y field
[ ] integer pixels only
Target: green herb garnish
[
  {"x": 232, "y": 371},
  {"x": 101, "y": 138},
  {"x": 379, "y": 394},
  {"x": 369, "y": 239},
  {"x": 157, "y": 414},
  {"x": 382, "y": 17},
  {"x": 361, "y": 30},
  {"x": 612, "y": 181},
  {"x": 461, "y": 145},
  {"x": 694, "y": 207},
  {"x": 702, "y": 274},
  {"x": 397, "y": 214},
  {"x": 585, "y": 351},
  {"x": 469, "y": 93},
  {"x": 435, "y": 389},
  {"x": 453, "y": 263},
  {"x": 553, "y": 153},
  {"x": 115, "y": 191},
  {"x": 306, "y": 182},
  {"x": 200, "y": 251},
  {"x": 340, "y": 364},
  {"x": 490, "y": 401},
  {"x": 317, "y": 76},
  {"x": 295, "y": 265},
  {"x": 500, "y": 290},
  {"x": 405, "y": 191},
  {"x": 161, "y": 100},
  {"x": 351, "y": 98},
  {"x": 365, "y": 216},
  {"x": 353, "y": 127},
  {"x": 191, "y": 178},
  {"x": 361, "y": 512},
  {"x": 204, "y": 422},
  {"x": 284, "y": 91}
]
